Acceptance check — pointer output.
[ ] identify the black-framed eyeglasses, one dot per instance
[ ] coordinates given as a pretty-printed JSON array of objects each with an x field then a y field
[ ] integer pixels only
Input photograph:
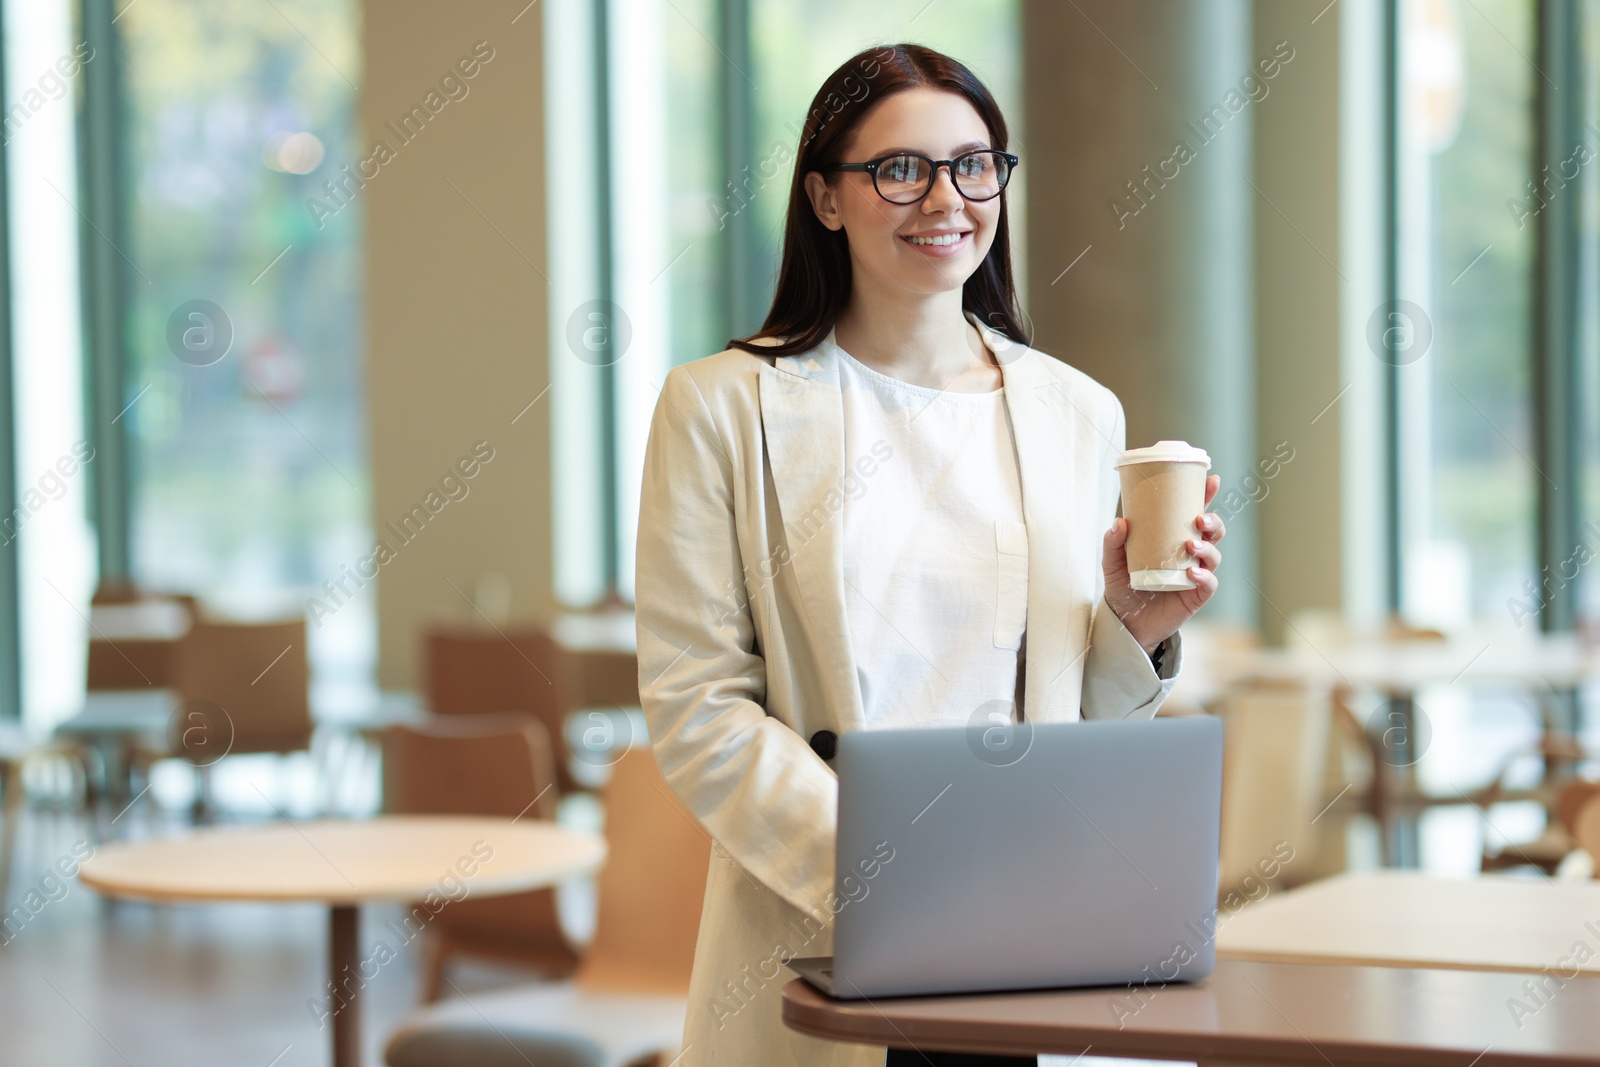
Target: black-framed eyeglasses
[{"x": 907, "y": 177}]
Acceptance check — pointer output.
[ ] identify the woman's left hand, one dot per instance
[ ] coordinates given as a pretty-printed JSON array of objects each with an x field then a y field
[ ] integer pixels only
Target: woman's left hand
[{"x": 1153, "y": 617}]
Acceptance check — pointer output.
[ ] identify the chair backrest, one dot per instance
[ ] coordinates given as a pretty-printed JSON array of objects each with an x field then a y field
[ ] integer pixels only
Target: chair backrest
[
  {"x": 257, "y": 673},
  {"x": 652, "y": 887},
  {"x": 133, "y": 639},
  {"x": 1586, "y": 829},
  {"x": 1274, "y": 752},
  {"x": 1574, "y": 797},
  {"x": 512, "y": 669},
  {"x": 483, "y": 765},
  {"x": 470, "y": 765}
]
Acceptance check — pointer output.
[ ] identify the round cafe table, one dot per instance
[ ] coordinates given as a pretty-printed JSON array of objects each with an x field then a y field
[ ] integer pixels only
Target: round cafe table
[{"x": 344, "y": 864}]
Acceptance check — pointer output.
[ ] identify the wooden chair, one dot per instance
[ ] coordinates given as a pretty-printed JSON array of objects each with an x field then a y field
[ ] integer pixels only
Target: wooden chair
[
  {"x": 517, "y": 668},
  {"x": 1561, "y": 800},
  {"x": 1572, "y": 802},
  {"x": 1274, "y": 751},
  {"x": 133, "y": 646},
  {"x": 626, "y": 1005},
  {"x": 1586, "y": 826},
  {"x": 133, "y": 642},
  {"x": 481, "y": 765},
  {"x": 258, "y": 674},
  {"x": 13, "y": 749},
  {"x": 652, "y": 887},
  {"x": 1357, "y": 757},
  {"x": 243, "y": 687}
]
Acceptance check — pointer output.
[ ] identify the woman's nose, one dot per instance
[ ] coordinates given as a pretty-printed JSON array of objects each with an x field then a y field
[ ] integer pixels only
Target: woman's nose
[{"x": 944, "y": 188}]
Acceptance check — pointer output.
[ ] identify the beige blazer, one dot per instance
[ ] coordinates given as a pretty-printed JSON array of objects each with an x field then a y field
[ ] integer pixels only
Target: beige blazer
[{"x": 744, "y": 656}]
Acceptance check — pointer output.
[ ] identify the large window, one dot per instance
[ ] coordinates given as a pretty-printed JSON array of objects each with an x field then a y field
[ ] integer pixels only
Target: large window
[
  {"x": 1467, "y": 434},
  {"x": 700, "y": 117},
  {"x": 45, "y": 65},
  {"x": 1587, "y": 378},
  {"x": 244, "y": 340},
  {"x": 1497, "y": 419}
]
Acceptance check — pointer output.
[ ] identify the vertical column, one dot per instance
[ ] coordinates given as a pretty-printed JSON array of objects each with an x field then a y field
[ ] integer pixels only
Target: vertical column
[
  {"x": 747, "y": 295},
  {"x": 10, "y": 591},
  {"x": 1140, "y": 212},
  {"x": 102, "y": 177},
  {"x": 1557, "y": 319},
  {"x": 457, "y": 311},
  {"x": 1322, "y": 372},
  {"x": 606, "y": 357},
  {"x": 1301, "y": 273}
]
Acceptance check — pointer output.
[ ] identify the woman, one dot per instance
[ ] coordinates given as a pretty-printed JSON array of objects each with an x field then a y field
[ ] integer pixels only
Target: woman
[{"x": 883, "y": 509}]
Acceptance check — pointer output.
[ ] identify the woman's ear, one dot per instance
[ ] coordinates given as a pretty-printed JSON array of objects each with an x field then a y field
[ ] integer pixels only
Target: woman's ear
[{"x": 824, "y": 201}]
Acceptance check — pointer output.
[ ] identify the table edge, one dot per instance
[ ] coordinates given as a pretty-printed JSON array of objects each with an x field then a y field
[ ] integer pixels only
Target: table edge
[
  {"x": 88, "y": 874},
  {"x": 811, "y": 1017},
  {"x": 156, "y": 896},
  {"x": 1311, "y": 959},
  {"x": 805, "y": 1010}
]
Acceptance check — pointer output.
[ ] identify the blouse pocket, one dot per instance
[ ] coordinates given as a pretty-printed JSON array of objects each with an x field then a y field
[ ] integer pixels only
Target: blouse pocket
[{"x": 1011, "y": 589}]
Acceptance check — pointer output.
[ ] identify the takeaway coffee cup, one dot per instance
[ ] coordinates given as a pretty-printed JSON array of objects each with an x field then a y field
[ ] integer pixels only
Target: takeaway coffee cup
[{"x": 1163, "y": 492}]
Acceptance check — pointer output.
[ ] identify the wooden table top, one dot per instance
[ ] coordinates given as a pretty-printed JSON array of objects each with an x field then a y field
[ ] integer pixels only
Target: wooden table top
[
  {"x": 1406, "y": 918},
  {"x": 1262, "y": 1013},
  {"x": 1533, "y": 661},
  {"x": 332, "y": 861},
  {"x": 124, "y": 710},
  {"x": 150, "y": 712}
]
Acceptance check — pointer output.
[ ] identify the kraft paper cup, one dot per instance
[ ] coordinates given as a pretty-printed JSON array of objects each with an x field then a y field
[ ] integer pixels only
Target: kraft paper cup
[{"x": 1163, "y": 491}]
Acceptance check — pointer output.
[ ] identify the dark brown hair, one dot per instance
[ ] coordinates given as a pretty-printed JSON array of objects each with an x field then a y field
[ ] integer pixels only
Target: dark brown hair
[{"x": 814, "y": 276}]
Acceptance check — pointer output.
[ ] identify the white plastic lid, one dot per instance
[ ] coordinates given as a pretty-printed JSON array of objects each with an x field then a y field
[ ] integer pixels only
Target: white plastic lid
[{"x": 1165, "y": 452}]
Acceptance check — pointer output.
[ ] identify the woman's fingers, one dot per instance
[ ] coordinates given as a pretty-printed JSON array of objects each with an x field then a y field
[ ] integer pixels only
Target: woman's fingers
[
  {"x": 1113, "y": 546},
  {"x": 1210, "y": 526},
  {"x": 1205, "y": 554},
  {"x": 1205, "y": 581}
]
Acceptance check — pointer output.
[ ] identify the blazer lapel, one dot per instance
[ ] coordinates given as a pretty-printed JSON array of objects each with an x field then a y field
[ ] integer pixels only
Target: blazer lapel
[
  {"x": 1054, "y": 496},
  {"x": 802, "y": 417}
]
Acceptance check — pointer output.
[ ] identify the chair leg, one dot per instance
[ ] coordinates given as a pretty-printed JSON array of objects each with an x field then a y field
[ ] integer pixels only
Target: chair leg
[
  {"x": 200, "y": 811},
  {"x": 10, "y": 818},
  {"x": 435, "y": 958},
  {"x": 81, "y": 761},
  {"x": 140, "y": 763},
  {"x": 321, "y": 771}
]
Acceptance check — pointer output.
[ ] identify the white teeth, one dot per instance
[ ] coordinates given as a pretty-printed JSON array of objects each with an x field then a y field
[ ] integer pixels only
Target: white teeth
[{"x": 943, "y": 239}]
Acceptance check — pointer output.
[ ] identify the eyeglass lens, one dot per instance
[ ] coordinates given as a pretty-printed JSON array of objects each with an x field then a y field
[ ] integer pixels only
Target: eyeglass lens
[{"x": 978, "y": 176}]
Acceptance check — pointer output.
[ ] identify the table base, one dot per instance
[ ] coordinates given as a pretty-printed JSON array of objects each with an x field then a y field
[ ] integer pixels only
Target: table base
[{"x": 344, "y": 985}]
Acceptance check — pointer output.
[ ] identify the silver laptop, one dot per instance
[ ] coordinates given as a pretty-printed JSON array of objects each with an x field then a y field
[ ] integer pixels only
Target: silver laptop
[{"x": 1024, "y": 857}]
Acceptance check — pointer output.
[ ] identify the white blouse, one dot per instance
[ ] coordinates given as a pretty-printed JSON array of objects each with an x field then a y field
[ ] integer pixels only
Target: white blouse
[{"x": 935, "y": 551}]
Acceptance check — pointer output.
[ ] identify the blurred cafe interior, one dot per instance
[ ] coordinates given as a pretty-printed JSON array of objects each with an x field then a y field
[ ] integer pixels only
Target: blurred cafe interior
[{"x": 323, "y": 494}]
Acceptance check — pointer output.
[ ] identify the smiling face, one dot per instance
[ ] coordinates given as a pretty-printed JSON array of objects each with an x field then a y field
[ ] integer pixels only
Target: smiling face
[{"x": 933, "y": 245}]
